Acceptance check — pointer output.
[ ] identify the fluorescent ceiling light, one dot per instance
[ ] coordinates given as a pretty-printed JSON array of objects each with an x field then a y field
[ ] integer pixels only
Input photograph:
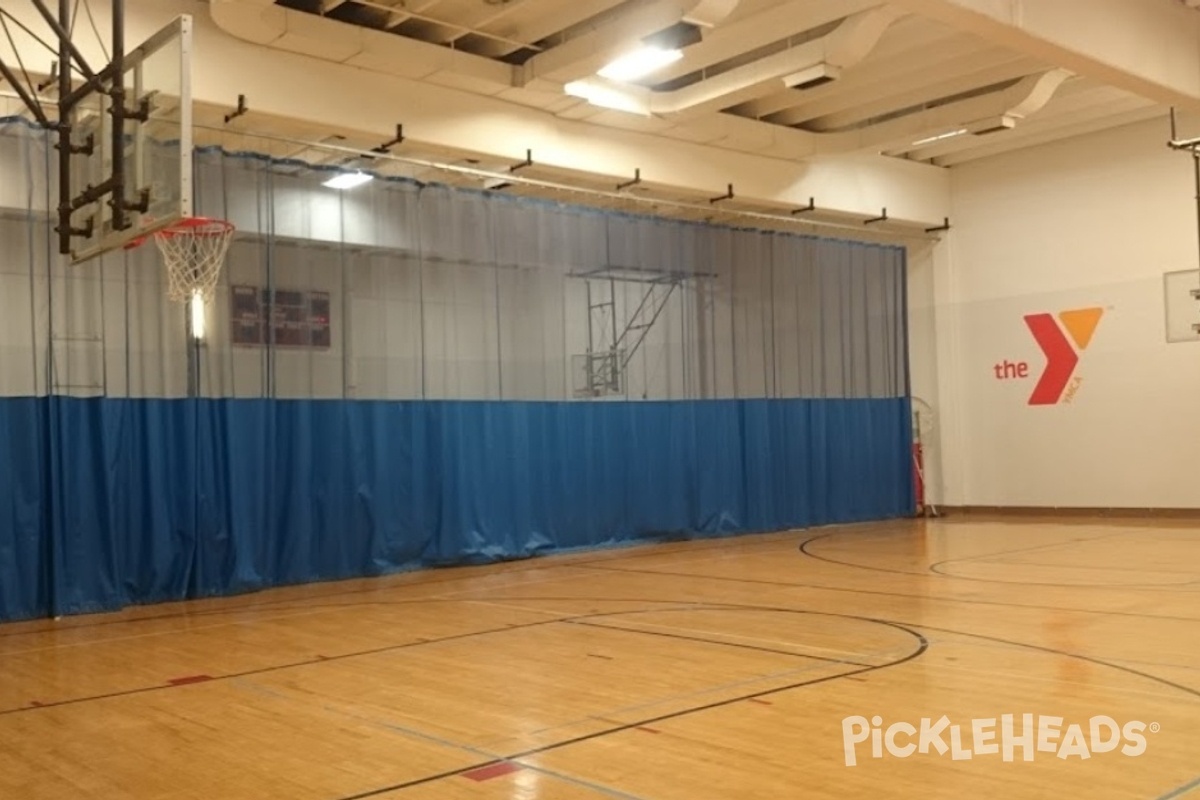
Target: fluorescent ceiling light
[
  {"x": 640, "y": 63},
  {"x": 605, "y": 97},
  {"x": 940, "y": 137},
  {"x": 348, "y": 180}
]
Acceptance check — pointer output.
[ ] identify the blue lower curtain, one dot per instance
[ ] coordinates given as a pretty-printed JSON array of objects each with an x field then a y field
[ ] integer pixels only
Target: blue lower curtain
[{"x": 111, "y": 502}]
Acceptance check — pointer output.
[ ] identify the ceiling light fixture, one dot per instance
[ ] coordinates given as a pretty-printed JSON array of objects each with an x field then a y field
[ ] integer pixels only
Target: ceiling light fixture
[
  {"x": 348, "y": 180},
  {"x": 640, "y": 63},
  {"x": 940, "y": 137},
  {"x": 605, "y": 97}
]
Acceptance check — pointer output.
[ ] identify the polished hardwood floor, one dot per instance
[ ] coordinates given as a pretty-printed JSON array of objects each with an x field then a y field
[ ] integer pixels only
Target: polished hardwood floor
[{"x": 735, "y": 668}]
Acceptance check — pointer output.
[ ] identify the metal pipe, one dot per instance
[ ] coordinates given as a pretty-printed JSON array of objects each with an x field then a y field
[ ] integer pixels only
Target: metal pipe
[
  {"x": 65, "y": 148},
  {"x": 1196, "y": 172},
  {"x": 92, "y": 84},
  {"x": 23, "y": 94},
  {"x": 120, "y": 220},
  {"x": 782, "y": 217},
  {"x": 62, "y": 29}
]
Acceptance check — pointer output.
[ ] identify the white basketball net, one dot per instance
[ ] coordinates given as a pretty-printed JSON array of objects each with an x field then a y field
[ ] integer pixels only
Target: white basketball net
[{"x": 193, "y": 254}]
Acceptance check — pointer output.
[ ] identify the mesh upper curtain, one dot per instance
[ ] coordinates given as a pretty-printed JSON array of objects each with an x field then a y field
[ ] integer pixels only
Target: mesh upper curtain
[{"x": 415, "y": 374}]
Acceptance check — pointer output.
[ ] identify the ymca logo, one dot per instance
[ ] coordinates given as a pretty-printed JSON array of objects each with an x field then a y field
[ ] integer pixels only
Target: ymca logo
[{"x": 1062, "y": 338}]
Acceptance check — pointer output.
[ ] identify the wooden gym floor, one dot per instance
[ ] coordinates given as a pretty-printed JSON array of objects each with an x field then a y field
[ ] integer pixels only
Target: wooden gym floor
[{"x": 708, "y": 669}]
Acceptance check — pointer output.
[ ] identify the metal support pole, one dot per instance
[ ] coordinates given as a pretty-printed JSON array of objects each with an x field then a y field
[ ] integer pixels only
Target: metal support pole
[
  {"x": 64, "y": 132},
  {"x": 1196, "y": 173},
  {"x": 118, "y": 111}
]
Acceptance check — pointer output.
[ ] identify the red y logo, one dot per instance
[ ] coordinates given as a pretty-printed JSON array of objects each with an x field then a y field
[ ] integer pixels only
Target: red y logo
[{"x": 1061, "y": 355}]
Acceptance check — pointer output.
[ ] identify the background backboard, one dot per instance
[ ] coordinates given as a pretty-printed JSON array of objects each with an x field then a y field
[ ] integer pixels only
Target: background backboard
[{"x": 1182, "y": 308}]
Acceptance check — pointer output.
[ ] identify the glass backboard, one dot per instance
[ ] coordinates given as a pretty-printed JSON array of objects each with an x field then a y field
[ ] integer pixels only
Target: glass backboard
[{"x": 158, "y": 150}]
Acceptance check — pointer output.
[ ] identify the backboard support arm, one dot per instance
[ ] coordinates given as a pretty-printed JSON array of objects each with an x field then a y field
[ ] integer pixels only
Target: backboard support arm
[{"x": 68, "y": 52}]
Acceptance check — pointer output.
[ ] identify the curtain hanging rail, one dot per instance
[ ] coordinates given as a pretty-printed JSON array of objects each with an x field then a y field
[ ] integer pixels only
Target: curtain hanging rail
[{"x": 783, "y": 217}]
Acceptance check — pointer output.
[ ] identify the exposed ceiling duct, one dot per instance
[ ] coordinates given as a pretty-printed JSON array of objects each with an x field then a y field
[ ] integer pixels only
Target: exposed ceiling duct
[
  {"x": 807, "y": 65},
  {"x": 796, "y": 79},
  {"x": 586, "y": 53},
  {"x": 982, "y": 115}
]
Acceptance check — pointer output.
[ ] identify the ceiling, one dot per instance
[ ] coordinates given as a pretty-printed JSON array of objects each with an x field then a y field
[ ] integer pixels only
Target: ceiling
[
  {"x": 790, "y": 81},
  {"x": 905, "y": 86}
]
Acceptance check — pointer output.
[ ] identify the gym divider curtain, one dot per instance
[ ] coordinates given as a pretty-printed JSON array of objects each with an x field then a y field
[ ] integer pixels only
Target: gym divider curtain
[{"x": 412, "y": 374}]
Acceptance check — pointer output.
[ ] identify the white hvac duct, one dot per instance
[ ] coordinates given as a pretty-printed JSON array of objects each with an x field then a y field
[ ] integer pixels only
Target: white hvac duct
[
  {"x": 979, "y": 116},
  {"x": 585, "y": 54},
  {"x": 804, "y": 66}
]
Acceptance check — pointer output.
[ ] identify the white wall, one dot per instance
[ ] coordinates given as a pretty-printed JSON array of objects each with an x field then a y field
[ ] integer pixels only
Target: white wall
[{"x": 1091, "y": 222}]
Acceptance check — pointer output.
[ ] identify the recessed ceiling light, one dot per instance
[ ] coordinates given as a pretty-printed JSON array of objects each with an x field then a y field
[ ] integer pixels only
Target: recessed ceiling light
[
  {"x": 640, "y": 63},
  {"x": 348, "y": 180}
]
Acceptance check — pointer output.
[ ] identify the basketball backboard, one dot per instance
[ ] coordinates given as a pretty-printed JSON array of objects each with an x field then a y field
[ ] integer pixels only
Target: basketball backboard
[
  {"x": 157, "y": 142},
  {"x": 1180, "y": 291}
]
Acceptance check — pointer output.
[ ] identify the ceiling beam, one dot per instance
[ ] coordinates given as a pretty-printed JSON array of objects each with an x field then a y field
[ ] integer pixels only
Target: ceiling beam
[
  {"x": 1148, "y": 47},
  {"x": 1129, "y": 111},
  {"x": 531, "y": 21},
  {"x": 978, "y": 115},
  {"x": 1079, "y": 97},
  {"x": 746, "y": 33},
  {"x": 984, "y": 69},
  {"x": 909, "y": 41}
]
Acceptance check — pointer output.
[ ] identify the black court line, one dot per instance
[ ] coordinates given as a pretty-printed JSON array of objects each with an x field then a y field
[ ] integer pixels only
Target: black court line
[
  {"x": 739, "y": 646},
  {"x": 913, "y": 626},
  {"x": 1033, "y": 548},
  {"x": 940, "y": 569},
  {"x": 806, "y": 545},
  {"x": 1010, "y": 562},
  {"x": 922, "y": 626},
  {"x": 928, "y": 598},
  {"x": 1054, "y": 651},
  {"x": 922, "y": 646},
  {"x": 265, "y": 604},
  {"x": 374, "y": 651},
  {"x": 275, "y": 668},
  {"x": 1187, "y": 788},
  {"x": 541, "y": 562}
]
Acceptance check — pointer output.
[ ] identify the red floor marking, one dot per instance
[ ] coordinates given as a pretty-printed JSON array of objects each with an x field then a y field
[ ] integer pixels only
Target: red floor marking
[
  {"x": 493, "y": 771},
  {"x": 189, "y": 679},
  {"x": 760, "y": 702}
]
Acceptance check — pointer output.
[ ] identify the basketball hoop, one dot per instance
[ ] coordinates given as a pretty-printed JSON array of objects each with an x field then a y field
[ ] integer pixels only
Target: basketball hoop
[{"x": 193, "y": 251}]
